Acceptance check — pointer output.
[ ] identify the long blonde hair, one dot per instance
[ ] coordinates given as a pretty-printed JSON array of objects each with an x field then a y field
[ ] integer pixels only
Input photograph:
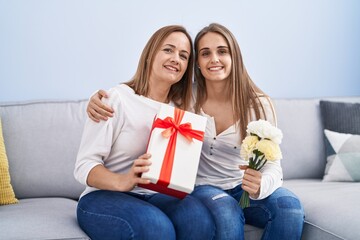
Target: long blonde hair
[
  {"x": 243, "y": 91},
  {"x": 180, "y": 92}
]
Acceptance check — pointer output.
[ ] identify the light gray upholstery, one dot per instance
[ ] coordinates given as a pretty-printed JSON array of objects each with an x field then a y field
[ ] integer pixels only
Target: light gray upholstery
[
  {"x": 42, "y": 140},
  {"x": 40, "y": 218},
  {"x": 302, "y": 144},
  {"x": 332, "y": 208}
]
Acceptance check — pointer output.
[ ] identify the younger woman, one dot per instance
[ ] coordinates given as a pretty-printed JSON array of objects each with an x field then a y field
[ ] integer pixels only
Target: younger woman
[{"x": 230, "y": 100}]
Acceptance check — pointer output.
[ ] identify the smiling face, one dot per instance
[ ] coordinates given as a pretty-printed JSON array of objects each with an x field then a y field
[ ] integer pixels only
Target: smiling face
[
  {"x": 214, "y": 58},
  {"x": 171, "y": 61}
]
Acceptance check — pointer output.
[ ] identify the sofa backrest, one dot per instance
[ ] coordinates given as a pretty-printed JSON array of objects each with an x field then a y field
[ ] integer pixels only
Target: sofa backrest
[
  {"x": 303, "y": 144},
  {"x": 42, "y": 139}
]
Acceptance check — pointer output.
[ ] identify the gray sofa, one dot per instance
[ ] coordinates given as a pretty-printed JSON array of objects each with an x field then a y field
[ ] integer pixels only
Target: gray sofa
[{"x": 42, "y": 139}]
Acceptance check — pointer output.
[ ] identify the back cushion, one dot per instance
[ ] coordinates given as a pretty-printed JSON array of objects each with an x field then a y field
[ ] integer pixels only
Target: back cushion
[
  {"x": 341, "y": 116},
  {"x": 42, "y": 140},
  {"x": 302, "y": 145}
]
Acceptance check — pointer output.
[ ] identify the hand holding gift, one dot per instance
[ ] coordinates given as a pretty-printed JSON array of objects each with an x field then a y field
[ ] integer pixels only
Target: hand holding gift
[{"x": 261, "y": 145}]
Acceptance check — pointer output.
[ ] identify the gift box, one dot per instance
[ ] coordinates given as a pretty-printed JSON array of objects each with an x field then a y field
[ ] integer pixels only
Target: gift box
[{"x": 175, "y": 145}]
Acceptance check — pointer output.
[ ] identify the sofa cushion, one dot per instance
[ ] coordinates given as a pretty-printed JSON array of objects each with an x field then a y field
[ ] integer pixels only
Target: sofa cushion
[
  {"x": 331, "y": 208},
  {"x": 7, "y": 195},
  {"x": 302, "y": 146},
  {"x": 344, "y": 163},
  {"x": 42, "y": 140},
  {"x": 40, "y": 218},
  {"x": 341, "y": 117}
]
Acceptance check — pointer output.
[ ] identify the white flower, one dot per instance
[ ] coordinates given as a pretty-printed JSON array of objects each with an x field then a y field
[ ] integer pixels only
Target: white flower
[
  {"x": 265, "y": 130},
  {"x": 270, "y": 149},
  {"x": 247, "y": 147}
]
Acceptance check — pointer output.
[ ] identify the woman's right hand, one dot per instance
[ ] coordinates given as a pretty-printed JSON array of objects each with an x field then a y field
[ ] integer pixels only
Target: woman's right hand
[
  {"x": 133, "y": 177},
  {"x": 102, "y": 178},
  {"x": 96, "y": 109}
]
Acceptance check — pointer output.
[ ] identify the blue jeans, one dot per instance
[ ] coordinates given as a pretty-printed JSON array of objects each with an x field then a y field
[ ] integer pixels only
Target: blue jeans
[
  {"x": 118, "y": 215},
  {"x": 281, "y": 215}
]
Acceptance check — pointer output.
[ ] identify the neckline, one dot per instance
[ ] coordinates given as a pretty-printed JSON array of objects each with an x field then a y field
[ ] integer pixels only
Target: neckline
[{"x": 230, "y": 129}]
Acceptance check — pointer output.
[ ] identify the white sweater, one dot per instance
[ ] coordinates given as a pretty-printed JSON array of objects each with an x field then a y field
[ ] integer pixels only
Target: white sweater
[{"x": 116, "y": 143}]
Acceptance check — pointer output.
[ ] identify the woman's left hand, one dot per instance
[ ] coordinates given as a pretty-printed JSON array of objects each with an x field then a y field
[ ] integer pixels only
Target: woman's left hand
[
  {"x": 251, "y": 181},
  {"x": 96, "y": 109}
]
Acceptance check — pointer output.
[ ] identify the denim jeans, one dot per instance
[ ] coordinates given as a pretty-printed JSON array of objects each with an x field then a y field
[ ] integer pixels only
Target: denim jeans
[
  {"x": 117, "y": 215},
  {"x": 281, "y": 214}
]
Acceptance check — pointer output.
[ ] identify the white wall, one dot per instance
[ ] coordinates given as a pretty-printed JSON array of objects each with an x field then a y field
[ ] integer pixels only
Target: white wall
[{"x": 66, "y": 49}]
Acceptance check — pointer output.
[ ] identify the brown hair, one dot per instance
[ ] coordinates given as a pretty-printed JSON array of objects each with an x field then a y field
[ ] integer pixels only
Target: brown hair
[
  {"x": 243, "y": 91},
  {"x": 180, "y": 92}
]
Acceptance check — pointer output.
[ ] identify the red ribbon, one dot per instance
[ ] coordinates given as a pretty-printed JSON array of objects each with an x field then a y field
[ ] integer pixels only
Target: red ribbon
[{"x": 172, "y": 127}]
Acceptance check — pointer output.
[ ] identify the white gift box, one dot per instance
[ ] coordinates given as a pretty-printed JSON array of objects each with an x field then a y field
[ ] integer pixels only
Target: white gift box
[{"x": 175, "y": 174}]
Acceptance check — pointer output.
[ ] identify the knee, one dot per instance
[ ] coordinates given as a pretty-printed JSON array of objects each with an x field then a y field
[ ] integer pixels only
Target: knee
[
  {"x": 289, "y": 202},
  {"x": 290, "y": 208},
  {"x": 220, "y": 204},
  {"x": 161, "y": 228},
  {"x": 228, "y": 216},
  {"x": 203, "y": 213},
  {"x": 289, "y": 216},
  {"x": 154, "y": 225},
  {"x": 196, "y": 221},
  {"x": 115, "y": 227}
]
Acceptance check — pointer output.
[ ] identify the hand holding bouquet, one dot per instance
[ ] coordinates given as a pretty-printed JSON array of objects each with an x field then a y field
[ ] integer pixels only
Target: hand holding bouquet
[{"x": 261, "y": 145}]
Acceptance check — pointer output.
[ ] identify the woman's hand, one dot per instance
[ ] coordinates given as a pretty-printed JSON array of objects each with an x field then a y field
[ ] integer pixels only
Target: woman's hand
[
  {"x": 251, "y": 182},
  {"x": 133, "y": 177},
  {"x": 102, "y": 178},
  {"x": 96, "y": 109}
]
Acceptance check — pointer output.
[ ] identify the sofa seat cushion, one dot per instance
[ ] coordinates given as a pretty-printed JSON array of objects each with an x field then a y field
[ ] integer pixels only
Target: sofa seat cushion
[
  {"x": 331, "y": 208},
  {"x": 40, "y": 218},
  {"x": 252, "y": 232}
]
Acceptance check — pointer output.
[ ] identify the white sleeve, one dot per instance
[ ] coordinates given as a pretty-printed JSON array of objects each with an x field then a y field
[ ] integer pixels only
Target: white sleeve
[
  {"x": 97, "y": 139},
  {"x": 272, "y": 175},
  {"x": 272, "y": 178}
]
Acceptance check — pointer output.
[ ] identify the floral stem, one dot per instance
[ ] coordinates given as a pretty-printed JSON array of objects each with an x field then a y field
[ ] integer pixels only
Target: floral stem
[
  {"x": 262, "y": 164},
  {"x": 244, "y": 200}
]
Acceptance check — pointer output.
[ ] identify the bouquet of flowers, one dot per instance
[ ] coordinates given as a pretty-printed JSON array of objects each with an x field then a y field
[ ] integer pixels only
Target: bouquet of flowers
[{"x": 261, "y": 145}]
